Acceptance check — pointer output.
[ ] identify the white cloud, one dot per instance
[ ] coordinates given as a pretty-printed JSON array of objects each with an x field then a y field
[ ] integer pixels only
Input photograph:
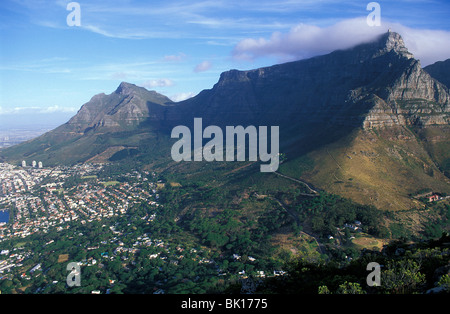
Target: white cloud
[
  {"x": 305, "y": 41},
  {"x": 427, "y": 45},
  {"x": 157, "y": 83},
  {"x": 56, "y": 108},
  {"x": 204, "y": 66},
  {"x": 182, "y": 96},
  {"x": 119, "y": 76},
  {"x": 175, "y": 58},
  {"x": 36, "y": 110}
]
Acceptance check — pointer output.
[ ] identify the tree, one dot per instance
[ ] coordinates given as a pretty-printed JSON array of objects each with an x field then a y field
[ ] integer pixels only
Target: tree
[
  {"x": 117, "y": 288},
  {"x": 323, "y": 290},
  {"x": 350, "y": 288},
  {"x": 402, "y": 277},
  {"x": 6, "y": 286},
  {"x": 444, "y": 282}
]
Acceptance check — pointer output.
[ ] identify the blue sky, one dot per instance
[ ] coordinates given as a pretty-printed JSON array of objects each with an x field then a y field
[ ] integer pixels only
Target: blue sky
[{"x": 179, "y": 48}]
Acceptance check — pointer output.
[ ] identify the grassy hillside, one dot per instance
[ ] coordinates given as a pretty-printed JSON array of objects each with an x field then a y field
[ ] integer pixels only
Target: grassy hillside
[
  {"x": 437, "y": 142},
  {"x": 62, "y": 148},
  {"x": 378, "y": 167}
]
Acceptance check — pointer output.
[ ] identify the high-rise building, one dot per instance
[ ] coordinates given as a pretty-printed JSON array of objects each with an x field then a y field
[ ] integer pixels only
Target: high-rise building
[
  {"x": 33, "y": 164},
  {"x": 24, "y": 163},
  {"x": 40, "y": 164}
]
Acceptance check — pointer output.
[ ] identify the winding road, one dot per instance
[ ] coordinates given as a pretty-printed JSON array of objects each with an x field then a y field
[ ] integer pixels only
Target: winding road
[{"x": 315, "y": 193}]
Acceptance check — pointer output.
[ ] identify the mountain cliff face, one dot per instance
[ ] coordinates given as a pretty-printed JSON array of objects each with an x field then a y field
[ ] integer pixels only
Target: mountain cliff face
[
  {"x": 410, "y": 96},
  {"x": 369, "y": 116},
  {"x": 372, "y": 85}
]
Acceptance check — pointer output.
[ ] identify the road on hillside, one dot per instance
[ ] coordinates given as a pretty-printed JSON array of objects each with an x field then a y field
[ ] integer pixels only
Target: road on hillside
[{"x": 315, "y": 193}]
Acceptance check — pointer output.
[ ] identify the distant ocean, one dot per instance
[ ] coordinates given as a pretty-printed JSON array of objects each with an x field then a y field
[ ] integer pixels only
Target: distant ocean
[{"x": 4, "y": 216}]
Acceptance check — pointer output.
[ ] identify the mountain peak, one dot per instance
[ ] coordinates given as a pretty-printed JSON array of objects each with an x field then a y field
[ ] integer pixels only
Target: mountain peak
[
  {"x": 392, "y": 41},
  {"x": 126, "y": 88}
]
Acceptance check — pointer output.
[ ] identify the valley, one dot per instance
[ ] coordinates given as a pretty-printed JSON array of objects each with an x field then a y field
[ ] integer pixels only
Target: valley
[{"x": 145, "y": 232}]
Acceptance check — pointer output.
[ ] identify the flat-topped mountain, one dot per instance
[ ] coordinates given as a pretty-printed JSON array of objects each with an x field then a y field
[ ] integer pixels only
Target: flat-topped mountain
[
  {"x": 371, "y": 85},
  {"x": 375, "y": 92},
  {"x": 375, "y": 84}
]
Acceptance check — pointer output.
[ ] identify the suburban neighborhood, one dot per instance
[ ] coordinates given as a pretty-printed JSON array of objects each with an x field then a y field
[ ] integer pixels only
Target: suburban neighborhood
[
  {"x": 44, "y": 200},
  {"x": 37, "y": 205}
]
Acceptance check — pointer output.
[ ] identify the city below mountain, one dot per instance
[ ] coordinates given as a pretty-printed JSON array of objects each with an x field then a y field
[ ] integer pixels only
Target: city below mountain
[
  {"x": 363, "y": 159},
  {"x": 367, "y": 123}
]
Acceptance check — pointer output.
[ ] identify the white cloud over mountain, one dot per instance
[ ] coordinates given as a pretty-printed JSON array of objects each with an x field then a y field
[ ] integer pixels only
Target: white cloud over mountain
[{"x": 305, "y": 41}]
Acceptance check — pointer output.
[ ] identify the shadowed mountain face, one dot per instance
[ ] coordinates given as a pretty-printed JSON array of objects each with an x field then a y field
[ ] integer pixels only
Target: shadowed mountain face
[
  {"x": 314, "y": 101},
  {"x": 340, "y": 88},
  {"x": 440, "y": 71}
]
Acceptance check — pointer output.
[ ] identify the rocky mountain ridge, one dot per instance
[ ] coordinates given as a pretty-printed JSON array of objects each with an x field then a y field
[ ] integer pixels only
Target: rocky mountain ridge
[
  {"x": 313, "y": 101},
  {"x": 127, "y": 106},
  {"x": 373, "y": 85}
]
